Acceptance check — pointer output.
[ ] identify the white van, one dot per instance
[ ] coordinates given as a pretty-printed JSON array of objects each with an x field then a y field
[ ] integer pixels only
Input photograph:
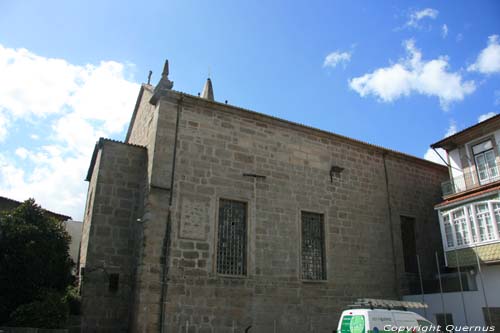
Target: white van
[{"x": 382, "y": 320}]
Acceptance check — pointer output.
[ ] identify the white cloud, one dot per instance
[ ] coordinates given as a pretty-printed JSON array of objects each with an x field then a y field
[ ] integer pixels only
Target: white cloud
[
  {"x": 434, "y": 155},
  {"x": 35, "y": 85},
  {"x": 417, "y": 16},
  {"x": 22, "y": 152},
  {"x": 4, "y": 123},
  {"x": 444, "y": 31},
  {"x": 452, "y": 129},
  {"x": 335, "y": 58},
  {"x": 414, "y": 75},
  {"x": 486, "y": 116},
  {"x": 488, "y": 60},
  {"x": 459, "y": 37},
  {"x": 84, "y": 103}
]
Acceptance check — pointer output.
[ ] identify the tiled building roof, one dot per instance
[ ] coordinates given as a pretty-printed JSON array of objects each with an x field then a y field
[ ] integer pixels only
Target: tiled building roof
[{"x": 9, "y": 204}]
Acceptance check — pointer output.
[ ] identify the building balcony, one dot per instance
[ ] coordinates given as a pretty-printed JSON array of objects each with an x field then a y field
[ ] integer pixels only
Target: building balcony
[{"x": 471, "y": 180}]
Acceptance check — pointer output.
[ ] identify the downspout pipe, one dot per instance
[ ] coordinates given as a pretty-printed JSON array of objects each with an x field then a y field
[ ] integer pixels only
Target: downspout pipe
[
  {"x": 165, "y": 251},
  {"x": 391, "y": 227}
]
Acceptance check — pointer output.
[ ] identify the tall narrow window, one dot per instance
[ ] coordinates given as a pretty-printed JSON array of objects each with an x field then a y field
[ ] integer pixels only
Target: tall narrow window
[
  {"x": 313, "y": 247},
  {"x": 472, "y": 224},
  {"x": 484, "y": 221},
  {"x": 409, "y": 244},
  {"x": 496, "y": 209},
  {"x": 461, "y": 230},
  {"x": 232, "y": 238},
  {"x": 444, "y": 319},
  {"x": 448, "y": 231}
]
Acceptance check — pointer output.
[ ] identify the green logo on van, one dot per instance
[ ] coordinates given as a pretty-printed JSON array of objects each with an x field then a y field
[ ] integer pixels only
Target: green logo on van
[
  {"x": 353, "y": 324},
  {"x": 357, "y": 324}
]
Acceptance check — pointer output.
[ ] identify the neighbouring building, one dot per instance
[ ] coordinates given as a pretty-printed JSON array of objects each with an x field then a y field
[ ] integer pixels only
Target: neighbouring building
[
  {"x": 9, "y": 204},
  {"x": 74, "y": 229},
  {"x": 469, "y": 217},
  {"x": 213, "y": 218}
]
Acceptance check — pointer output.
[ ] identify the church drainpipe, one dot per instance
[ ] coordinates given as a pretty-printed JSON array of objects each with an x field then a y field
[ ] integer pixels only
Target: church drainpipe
[
  {"x": 391, "y": 227},
  {"x": 165, "y": 252}
]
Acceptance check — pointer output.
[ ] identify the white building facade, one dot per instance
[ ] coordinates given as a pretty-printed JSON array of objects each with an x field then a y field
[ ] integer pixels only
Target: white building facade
[{"x": 469, "y": 218}]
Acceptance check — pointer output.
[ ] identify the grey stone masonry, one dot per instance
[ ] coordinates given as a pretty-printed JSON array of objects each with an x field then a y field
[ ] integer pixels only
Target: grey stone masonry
[
  {"x": 109, "y": 242},
  {"x": 199, "y": 152}
]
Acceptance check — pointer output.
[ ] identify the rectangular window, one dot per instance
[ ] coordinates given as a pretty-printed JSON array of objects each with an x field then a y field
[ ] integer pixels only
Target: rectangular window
[
  {"x": 472, "y": 224},
  {"x": 448, "y": 231},
  {"x": 409, "y": 244},
  {"x": 492, "y": 317},
  {"x": 461, "y": 230},
  {"x": 496, "y": 209},
  {"x": 113, "y": 282},
  {"x": 484, "y": 157},
  {"x": 484, "y": 221},
  {"x": 444, "y": 319},
  {"x": 232, "y": 238},
  {"x": 313, "y": 246}
]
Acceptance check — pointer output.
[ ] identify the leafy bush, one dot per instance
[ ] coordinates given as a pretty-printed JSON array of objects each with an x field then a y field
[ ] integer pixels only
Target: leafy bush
[
  {"x": 50, "y": 311},
  {"x": 73, "y": 299}
]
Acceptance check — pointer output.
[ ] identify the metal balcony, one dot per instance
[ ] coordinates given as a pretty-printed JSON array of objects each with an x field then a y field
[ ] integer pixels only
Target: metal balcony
[{"x": 470, "y": 180}]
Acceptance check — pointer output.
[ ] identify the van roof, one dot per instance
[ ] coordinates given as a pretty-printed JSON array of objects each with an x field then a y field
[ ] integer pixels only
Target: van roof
[{"x": 379, "y": 311}]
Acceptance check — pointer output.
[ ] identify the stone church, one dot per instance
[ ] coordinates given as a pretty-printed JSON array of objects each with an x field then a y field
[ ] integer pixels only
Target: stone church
[{"x": 214, "y": 218}]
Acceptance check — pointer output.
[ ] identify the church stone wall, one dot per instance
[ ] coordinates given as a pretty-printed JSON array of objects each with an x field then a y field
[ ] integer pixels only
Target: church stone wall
[
  {"x": 116, "y": 185},
  {"x": 217, "y": 145}
]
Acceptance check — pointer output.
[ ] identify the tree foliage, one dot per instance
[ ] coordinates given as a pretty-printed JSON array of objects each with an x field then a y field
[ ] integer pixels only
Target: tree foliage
[{"x": 34, "y": 260}]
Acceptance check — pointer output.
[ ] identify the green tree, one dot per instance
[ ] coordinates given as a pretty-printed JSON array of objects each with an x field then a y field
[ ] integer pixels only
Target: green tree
[{"x": 34, "y": 258}]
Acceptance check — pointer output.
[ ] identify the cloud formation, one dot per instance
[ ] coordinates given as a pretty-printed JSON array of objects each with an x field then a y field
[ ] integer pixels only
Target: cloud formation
[
  {"x": 335, "y": 58},
  {"x": 75, "y": 105},
  {"x": 414, "y": 75},
  {"x": 488, "y": 60},
  {"x": 444, "y": 31},
  {"x": 434, "y": 155},
  {"x": 486, "y": 116},
  {"x": 418, "y": 15},
  {"x": 4, "y": 122}
]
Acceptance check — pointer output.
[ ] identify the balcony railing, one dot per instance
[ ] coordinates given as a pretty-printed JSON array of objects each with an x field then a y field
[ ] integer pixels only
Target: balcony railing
[{"x": 470, "y": 180}]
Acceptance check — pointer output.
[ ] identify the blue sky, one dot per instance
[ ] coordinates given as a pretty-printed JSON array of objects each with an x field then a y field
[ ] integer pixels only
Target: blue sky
[{"x": 397, "y": 74}]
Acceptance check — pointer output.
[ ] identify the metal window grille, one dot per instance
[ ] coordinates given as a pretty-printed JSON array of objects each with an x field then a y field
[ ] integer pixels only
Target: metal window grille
[
  {"x": 313, "y": 247},
  {"x": 232, "y": 238}
]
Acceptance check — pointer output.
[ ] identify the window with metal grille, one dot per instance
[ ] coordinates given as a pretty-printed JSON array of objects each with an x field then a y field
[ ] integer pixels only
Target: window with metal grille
[
  {"x": 232, "y": 238},
  {"x": 313, "y": 247}
]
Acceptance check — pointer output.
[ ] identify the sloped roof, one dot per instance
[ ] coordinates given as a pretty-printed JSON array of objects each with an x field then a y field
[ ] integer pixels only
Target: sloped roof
[
  {"x": 470, "y": 133},
  {"x": 98, "y": 145},
  {"x": 8, "y": 204}
]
